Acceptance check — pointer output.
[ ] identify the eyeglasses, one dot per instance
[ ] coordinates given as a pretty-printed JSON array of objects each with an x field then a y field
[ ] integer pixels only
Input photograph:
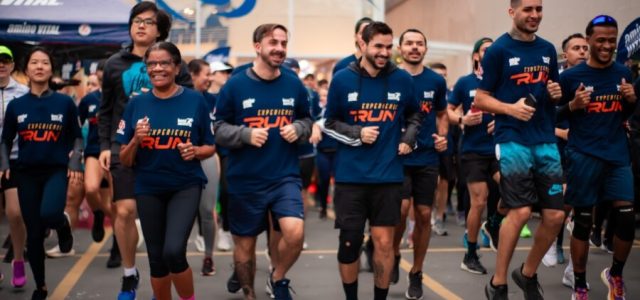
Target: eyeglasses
[
  {"x": 147, "y": 22},
  {"x": 603, "y": 19},
  {"x": 6, "y": 60},
  {"x": 162, "y": 63}
]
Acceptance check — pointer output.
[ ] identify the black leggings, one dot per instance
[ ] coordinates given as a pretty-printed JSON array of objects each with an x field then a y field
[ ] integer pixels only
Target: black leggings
[
  {"x": 223, "y": 195},
  {"x": 42, "y": 195},
  {"x": 166, "y": 221}
]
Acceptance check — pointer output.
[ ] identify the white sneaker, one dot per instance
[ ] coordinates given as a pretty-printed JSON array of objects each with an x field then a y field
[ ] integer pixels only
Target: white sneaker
[
  {"x": 199, "y": 243},
  {"x": 55, "y": 252},
  {"x": 140, "y": 235},
  {"x": 568, "y": 278},
  {"x": 550, "y": 259},
  {"x": 224, "y": 240}
]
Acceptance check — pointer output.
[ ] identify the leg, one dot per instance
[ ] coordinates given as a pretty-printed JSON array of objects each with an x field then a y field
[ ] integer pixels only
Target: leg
[
  {"x": 208, "y": 203},
  {"x": 324, "y": 179},
  {"x": 289, "y": 246},
  {"x": 153, "y": 219},
  {"x": 244, "y": 258},
  {"x": 75, "y": 195},
  {"x": 400, "y": 228},
  {"x": 546, "y": 233},
  {"x": 509, "y": 234},
  {"x": 479, "y": 192},
  {"x": 125, "y": 230},
  {"x": 421, "y": 236},
  {"x": 17, "y": 227},
  {"x": 30, "y": 191},
  {"x": 382, "y": 254}
]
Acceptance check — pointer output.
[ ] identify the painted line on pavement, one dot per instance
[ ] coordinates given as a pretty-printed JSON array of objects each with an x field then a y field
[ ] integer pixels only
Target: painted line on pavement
[{"x": 430, "y": 283}]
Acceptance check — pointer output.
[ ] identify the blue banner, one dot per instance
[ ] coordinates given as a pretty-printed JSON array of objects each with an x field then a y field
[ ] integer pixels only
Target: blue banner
[
  {"x": 629, "y": 44},
  {"x": 219, "y": 54}
]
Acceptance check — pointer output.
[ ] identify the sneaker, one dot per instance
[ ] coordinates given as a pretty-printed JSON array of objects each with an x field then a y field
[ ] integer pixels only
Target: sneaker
[
  {"x": 97, "y": 229},
  {"x": 65, "y": 237},
  {"x": 615, "y": 284},
  {"x": 471, "y": 264},
  {"x": 500, "y": 292},
  {"x": 530, "y": 286},
  {"x": 460, "y": 219},
  {"x": 269, "y": 287},
  {"x": 560, "y": 254},
  {"x": 224, "y": 240},
  {"x": 282, "y": 290},
  {"x": 199, "y": 243},
  {"x": 525, "y": 233},
  {"x": 414, "y": 291},
  {"x": 39, "y": 294},
  {"x": 550, "y": 258},
  {"x": 596, "y": 238},
  {"x": 19, "y": 278},
  {"x": 607, "y": 246},
  {"x": 492, "y": 233},
  {"x": 395, "y": 272},
  {"x": 115, "y": 260},
  {"x": 208, "y": 267},
  {"x": 140, "y": 235},
  {"x": 56, "y": 253},
  {"x": 438, "y": 228},
  {"x": 465, "y": 241},
  {"x": 129, "y": 286},
  {"x": 568, "y": 278},
  {"x": 233, "y": 284},
  {"x": 580, "y": 294},
  {"x": 570, "y": 226}
]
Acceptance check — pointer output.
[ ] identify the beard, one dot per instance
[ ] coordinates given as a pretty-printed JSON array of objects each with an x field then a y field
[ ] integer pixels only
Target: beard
[
  {"x": 523, "y": 27},
  {"x": 266, "y": 57},
  {"x": 372, "y": 61}
]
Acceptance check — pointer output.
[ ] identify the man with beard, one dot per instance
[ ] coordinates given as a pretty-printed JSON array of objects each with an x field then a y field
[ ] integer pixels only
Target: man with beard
[
  {"x": 477, "y": 158},
  {"x": 421, "y": 165},
  {"x": 368, "y": 105},
  {"x": 261, "y": 113},
  {"x": 600, "y": 97},
  {"x": 519, "y": 85}
]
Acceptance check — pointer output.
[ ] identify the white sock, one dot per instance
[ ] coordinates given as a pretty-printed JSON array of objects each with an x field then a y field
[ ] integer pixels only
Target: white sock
[{"x": 130, "y": 271}]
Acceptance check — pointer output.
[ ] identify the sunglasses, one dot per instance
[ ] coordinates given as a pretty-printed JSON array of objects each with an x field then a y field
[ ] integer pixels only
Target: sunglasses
[{"x": 603, "y": 19}]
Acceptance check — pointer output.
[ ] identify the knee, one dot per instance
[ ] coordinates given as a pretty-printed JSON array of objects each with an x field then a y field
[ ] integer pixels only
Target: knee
[
  {"x": 175, "y": 257},
  {"x": 582, "y": 221},
  {"x": 91, "y": 189},
  {"x": 350, "y": 244},
  {"x": 423, "y": 215},
  {"x": 158, "y": 267},
  {"x": 520, "y": 215},
  {"x": 554, "y": 218},
  {"x": 383, "y": 244},
  {"x": 125, "y": 213},
  {"x": 624, "y": 224}
]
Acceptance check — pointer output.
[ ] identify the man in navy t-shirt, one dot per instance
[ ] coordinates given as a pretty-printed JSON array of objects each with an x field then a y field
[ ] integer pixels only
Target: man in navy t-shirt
[
  {"x": 261, "y": 115},
  {"x": 369, "y": 103},
  {"x": 345, "y": 62},
  {"x": 519, "y": 85},
  {"x": 600, "y": 97},
  {"x": 421, "y": 165}
]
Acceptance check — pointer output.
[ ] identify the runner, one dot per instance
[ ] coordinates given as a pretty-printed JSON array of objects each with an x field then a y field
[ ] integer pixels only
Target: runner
[{"x": 345, "y": 62}]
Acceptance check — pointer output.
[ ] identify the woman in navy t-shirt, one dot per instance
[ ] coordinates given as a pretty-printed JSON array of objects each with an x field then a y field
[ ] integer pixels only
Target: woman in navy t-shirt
[
  {"x": 48, "y": 130},
  {"x": 163, "y": 135}
]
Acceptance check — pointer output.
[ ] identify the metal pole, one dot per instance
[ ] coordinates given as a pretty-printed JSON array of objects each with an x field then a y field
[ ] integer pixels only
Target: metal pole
[{"x": 198, "y": 28}]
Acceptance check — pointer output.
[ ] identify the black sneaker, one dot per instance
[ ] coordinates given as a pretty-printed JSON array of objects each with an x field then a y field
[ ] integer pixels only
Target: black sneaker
[
  {"x": 414, "y": 291},
  {"x": 208, "y": 267},
  {"x": 115, "y": 260},
  {"x": 493, "y": 233},
  {"x": 233, "y": 284},
  {"x": 129, "y": 287},
  {"x": 281, "y": 289},
  {"x": 65, "y": 237},
  {"x": 395, "y": 272},
  {"x": 39, "y": 294},
  {"x": 596, "y": 238},
  {"x": 97, "y": 230},
  {"x": 530, "y": 286},
  {"x": 471, "y": 264},
  {"x": 496, "y": 293}
]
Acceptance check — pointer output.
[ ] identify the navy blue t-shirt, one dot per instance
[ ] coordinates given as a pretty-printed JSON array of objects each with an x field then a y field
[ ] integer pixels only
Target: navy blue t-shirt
[
  {"x": 88, "y": 110},
  {"x": 512, "y": 70},
  {"x": 343, "y": 63},
  {"x": 46, "y": 126},
  {"x": 181, "y": 118},
  {"x": 475, "y": 139},
  {"x": 381, "y": 101},
  {"x": 248, "y": 101},
  {"x": 431, "y": 92},
  {"x": 598, "y": 129}
]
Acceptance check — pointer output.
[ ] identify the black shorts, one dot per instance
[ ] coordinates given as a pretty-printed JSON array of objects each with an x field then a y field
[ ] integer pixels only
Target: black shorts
[
  {"x": 94, "y": 155},
  {"x": 420, "y": 182},
  {"x": 479, "y": 168},
  {"x": 307, "y": 165},
  {"x": 447, "y": 169},
  {"x": 7, "y": 184},
  {"x": 356, "y": 203},
  {"x": 123, "y": 180}
]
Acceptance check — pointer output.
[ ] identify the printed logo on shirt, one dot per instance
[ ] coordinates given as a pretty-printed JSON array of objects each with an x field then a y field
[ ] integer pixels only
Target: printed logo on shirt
[
  {"x": 429, "y": 94},
  {"x": 608, "y": 103},
  {"x": 546, "y": 60},
  {"x": 589, "y": 88},
  {"x": 426, "y": 106},
  {"x": 121, "y": 126},
  {"x": 185, "y": 122},
  {"x": 352, "y": 97},
  {"x": 56, "y": 118},
  {"x": 270, "y": 118},
  {"x": 165, "y": 139},
  {"x": 41, "y": 132},
  {"x": 375, "y": 112},
  {"x": 617, "y": 87},
  {"x": 472, "y": 93},
  {"x": 248, "y": 103},
  {"x": 532, "y": 75},
  {"x": 92, "y": 108},
  {"x": 514, "y": 61},
  {"x": 21, "y": 118},
  {"x": 393, "y": 96},
  {"x": 288, "y": 101}
]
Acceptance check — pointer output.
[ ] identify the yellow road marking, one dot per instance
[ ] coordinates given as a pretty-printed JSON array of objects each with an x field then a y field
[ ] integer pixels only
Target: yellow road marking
[
  {"x": 433, "y": 285},
  {"x": 74, "y": 274}
]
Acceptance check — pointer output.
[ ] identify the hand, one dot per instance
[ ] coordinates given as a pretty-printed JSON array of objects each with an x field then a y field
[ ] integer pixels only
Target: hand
[
  {"x": 143, "y": 128},
  {"x": 75, "y": 177},
  {"x": 581, "y": 100},
  {"x": 259, "y": 136},
  {"x": 369, "y": 134},
  {"x": 316, "y": 135},
  {"x": 627, "y": 91},
  {"x": 439, "y": 142},
  {"x": 105, "y": 159},
  {"x": 404, "y": 149},
  {"x": 472, "y": 118},
  {"x": 521, "y": 111},
  {"x": 288, "y": 133},
  {"x": 187, "y": 151},
  {"x": 491, "y": 126},
  {"x": 554, "y": 90}
]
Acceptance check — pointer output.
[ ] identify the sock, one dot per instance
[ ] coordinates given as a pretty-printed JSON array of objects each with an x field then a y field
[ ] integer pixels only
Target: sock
[
  {"x": 581, "y": 279},
  {"x": 351, "y": 290},
  {"x": 380, "y": 294},
  {"x": 471, "y": 248},
  {"x": 616, "y": 267},
  {"x": 130, "y": 272}
]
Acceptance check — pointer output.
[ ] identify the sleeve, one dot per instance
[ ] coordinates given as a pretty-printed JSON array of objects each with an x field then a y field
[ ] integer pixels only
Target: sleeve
[
  {"x": 554, "y": 72},
  {"x": 206, "y": 127},
  {"x": 126, "y": 127},
  {"x": 83, "y": 109},
  {"x": 440, "y": 102},
  {"x": 628, "y": 108},
  {"x": 335, "y": 126},
  {"x": 73, "y": 121},
  {"x": 562, "y": 109},
  {"x": 10, "y": 125},
  {"x": 227, "y": 133},
  {"x": 184, "y": 78},
  {"x": 413, "y": 116},
  {"x": 107, "y": 104},
  {"x": 303, "y": 120},
  {"x": 492, "y": 70},
  {"x": 456, "y": 94}
]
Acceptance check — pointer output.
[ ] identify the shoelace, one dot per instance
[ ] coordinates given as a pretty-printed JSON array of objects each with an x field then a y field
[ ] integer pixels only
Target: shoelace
[{"x": 618, "y": 286}]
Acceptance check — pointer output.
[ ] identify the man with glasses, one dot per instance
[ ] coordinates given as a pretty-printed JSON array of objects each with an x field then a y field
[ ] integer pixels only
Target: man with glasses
[{"x": 599, "y": 98}]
